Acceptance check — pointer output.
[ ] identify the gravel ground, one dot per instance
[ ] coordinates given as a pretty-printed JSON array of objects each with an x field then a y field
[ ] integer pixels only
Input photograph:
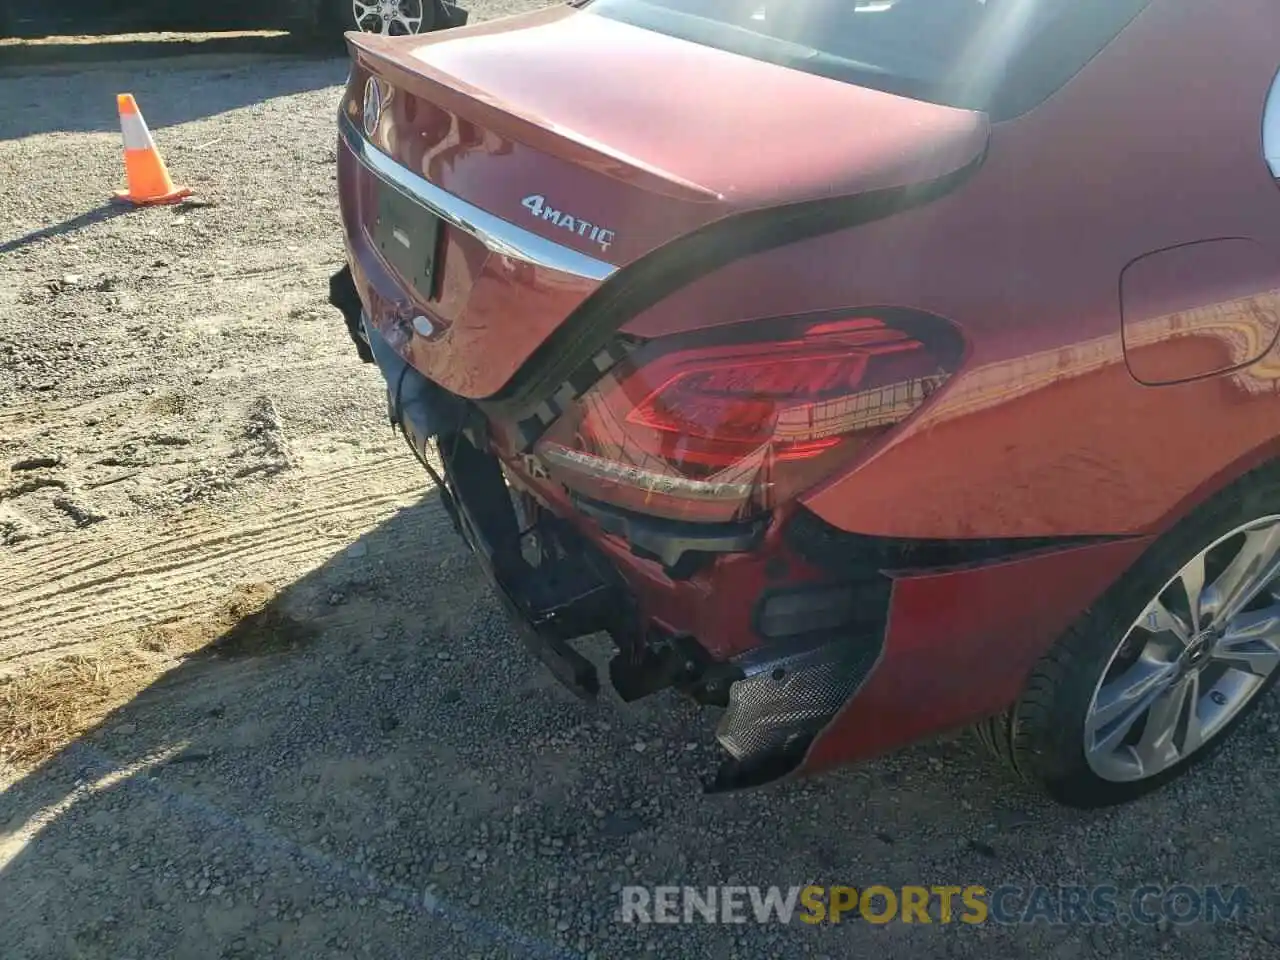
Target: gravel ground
[{"x": 368, "y": 765}]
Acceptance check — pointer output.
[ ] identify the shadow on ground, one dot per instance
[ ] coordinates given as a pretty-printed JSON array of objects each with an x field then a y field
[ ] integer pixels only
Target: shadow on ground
[
  {"x": 100, "y": 214},
  {"x": 87, "y": 75},
  {"x": 373, "y": 767}
]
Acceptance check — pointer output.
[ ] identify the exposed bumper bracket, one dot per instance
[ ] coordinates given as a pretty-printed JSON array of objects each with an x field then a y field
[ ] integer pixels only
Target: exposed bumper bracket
[
  {"x": 549, "y": 603},
  {"x": 566, "y": 664}
]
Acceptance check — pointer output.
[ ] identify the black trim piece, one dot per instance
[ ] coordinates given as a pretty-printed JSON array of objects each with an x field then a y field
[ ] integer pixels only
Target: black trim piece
[
  {"x": 840, "y": 551},
  {"x": 577, "y": 383},
  {"x": 863, "y": 607},
  {"x": 421, "y": 408},
  {"x": 656, "y": 275},
  {"x": 571, "y": 668},
  {"x": 679, "y": 546},
  {"x": 548, "y": 605}
]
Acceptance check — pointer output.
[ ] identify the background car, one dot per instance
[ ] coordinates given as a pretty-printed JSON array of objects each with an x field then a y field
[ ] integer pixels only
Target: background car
[{"x": 322, "y": 18}]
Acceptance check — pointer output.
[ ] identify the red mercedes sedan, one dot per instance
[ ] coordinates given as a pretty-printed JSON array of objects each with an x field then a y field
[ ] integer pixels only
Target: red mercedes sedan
[{"x": 864, "y": 368}]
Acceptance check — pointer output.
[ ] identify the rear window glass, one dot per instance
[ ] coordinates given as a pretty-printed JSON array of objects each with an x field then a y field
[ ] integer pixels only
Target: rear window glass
[{"x": 1000, "y": 56}]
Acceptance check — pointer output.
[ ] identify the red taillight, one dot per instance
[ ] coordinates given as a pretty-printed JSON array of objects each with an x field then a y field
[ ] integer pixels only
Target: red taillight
[{"x": 714, "y": 429}]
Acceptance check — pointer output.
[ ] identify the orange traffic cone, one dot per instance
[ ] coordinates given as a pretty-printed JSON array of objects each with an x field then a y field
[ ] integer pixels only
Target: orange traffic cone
[{"x": 146, "y": 174}]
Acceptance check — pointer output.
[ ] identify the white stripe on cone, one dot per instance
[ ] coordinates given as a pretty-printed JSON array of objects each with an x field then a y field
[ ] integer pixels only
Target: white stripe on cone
[{"x": 136, "y": 134}]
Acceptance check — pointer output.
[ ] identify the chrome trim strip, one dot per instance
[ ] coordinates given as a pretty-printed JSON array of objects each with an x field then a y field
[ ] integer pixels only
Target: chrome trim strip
[{"x": 497, "y": 234}]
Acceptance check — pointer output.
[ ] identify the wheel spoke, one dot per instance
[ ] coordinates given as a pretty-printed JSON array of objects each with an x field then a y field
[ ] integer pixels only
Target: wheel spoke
[
  {"x": 1173, "y": 726},
  {"x": 1133, "y": 691},
  {"x": 1192, "y": 577},
  {"x": 1158, "y": 618},
  {"x": 1256, "y": 565},
  {"x": 363, "y": 10},
  {"x": 1123, "y": 701},
  {"x": 1252, "y": 643}
]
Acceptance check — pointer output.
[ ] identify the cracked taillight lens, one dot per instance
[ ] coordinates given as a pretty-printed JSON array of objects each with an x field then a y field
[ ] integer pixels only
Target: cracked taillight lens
[{"x": 714, "y": 427}]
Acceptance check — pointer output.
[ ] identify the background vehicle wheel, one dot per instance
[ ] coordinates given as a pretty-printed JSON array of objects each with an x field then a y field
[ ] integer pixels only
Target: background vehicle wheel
[
  {"x": 1156, "y": 675},
  {"x": 395, "y": 18}
]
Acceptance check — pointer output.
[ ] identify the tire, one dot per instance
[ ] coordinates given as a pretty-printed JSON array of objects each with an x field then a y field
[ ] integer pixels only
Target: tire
[{"x": 1041, "y": 737}]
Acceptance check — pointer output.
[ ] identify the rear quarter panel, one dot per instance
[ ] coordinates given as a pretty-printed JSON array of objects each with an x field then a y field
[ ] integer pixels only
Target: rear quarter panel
[{"x": 1046, "y": 432}]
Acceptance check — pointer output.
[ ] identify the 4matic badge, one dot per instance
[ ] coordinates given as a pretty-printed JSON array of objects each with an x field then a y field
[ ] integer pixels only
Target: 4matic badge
[{"x": 537, "y": 206}]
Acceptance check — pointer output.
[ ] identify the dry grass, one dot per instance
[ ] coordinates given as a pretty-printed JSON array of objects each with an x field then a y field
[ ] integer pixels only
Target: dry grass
[
  {"x": 247, "y": 623},
  {"x": 48, "y": 706}
]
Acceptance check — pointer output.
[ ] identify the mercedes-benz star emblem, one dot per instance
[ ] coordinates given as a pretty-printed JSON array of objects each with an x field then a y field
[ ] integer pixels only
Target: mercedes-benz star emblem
[{"x": 373, "y": 100}]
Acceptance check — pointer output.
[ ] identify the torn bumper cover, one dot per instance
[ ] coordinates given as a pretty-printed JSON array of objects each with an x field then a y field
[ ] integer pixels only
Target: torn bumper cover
[{"x": 831, "y": 675}]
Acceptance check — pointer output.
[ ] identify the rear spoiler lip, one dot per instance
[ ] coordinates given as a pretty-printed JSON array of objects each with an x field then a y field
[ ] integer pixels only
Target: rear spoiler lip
[{"x": 396, "y": 63}]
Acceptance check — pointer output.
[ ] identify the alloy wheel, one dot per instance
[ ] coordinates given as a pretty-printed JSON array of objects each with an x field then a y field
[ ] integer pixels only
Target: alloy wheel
[
  {"x": 1202, "y": 648},
  {"x": 389, "y": 17}
]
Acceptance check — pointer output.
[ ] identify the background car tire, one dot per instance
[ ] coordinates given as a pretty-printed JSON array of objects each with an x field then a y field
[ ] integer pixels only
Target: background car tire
[
  {"x": 1041, "y": 736},
  {"x": 337, "y": 17}
]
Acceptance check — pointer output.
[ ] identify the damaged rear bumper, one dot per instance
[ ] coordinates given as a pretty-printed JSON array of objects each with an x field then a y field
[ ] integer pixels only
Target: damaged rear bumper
[
  {"x": 776, "y": 699},
  {"x": 820, "y": 646}
]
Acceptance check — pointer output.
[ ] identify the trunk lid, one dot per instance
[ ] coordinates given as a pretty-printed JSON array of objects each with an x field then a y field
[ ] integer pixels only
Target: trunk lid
[{"x": 603, "y": 141}]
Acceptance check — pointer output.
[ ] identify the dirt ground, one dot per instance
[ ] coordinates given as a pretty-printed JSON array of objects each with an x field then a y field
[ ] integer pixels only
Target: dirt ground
[{"x": 257, "y": 701}]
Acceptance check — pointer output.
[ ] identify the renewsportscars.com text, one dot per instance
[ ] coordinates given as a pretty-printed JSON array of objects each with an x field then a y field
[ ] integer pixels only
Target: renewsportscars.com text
[{"x": 1009, "y": 904}]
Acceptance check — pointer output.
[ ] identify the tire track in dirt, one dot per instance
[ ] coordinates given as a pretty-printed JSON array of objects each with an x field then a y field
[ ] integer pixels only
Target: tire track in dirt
[
  {"x": 334, "y": 498},
  {"x": 331, "y": 491},
  {"x": 34, "y": 415},
  {"x": 79, "y": 589}
]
